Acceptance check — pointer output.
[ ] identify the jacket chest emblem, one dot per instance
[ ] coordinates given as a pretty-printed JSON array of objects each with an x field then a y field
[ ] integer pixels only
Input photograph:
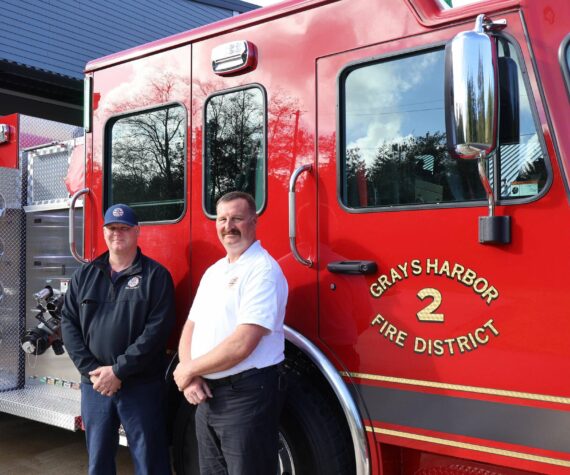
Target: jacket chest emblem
[{"x": 134, "y": 282}]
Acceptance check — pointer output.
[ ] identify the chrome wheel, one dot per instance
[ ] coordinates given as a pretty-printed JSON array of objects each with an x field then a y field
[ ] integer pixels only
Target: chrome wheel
[{"x": 286, "y": 464}]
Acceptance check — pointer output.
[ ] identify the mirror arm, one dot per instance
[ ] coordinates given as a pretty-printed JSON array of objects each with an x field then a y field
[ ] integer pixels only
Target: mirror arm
[{"x": 482, "y": 161}]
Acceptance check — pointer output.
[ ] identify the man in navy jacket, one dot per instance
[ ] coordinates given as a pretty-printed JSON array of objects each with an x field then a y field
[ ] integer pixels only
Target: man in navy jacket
[{"x": 117, "y": 316}]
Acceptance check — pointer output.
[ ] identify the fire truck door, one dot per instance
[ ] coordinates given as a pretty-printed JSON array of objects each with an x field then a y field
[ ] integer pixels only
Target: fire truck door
[
  {"x": 406, "y": 289},
  {"x": 140, "y": 157}
]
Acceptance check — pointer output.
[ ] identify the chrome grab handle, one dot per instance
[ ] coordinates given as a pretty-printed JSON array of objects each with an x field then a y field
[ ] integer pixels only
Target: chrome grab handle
[
  {"x": 72, "y": 246},
  {"x": 293, "y": 214}
]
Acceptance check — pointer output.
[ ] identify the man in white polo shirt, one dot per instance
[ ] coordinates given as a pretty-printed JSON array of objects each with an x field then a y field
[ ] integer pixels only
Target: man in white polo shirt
[{"x": 230, "y": 348}]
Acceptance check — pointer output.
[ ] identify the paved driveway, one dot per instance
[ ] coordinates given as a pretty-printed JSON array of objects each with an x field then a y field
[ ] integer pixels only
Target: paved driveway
[{"x": 28, "y": 447}]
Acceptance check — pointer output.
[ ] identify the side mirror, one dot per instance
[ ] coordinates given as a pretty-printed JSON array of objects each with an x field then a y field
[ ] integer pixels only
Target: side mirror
[
  {"x": 471, "y": 93},
  {"x": 472, "y": 112}
]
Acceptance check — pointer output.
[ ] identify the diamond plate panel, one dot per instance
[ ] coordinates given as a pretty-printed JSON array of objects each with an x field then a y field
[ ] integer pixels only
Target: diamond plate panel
[
  {"x": 49, "y": 403},
  {"x": 10, "y": 189},
  {"x": 35, "y": 132},
  {"x": 47, "y": 169},
  {"x": 46, "y": 147},
  {"x": 12, "y": 275}
]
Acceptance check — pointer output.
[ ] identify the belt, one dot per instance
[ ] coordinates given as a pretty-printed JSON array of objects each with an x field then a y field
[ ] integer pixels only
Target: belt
[{"x": 227, "y": 380}]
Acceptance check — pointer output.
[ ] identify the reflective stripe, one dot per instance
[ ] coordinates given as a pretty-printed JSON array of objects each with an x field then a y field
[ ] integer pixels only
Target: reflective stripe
[
  {"x": 467, "y": 446},
  {"x": 459, "y": 387},
  {"x": 520, "y": 425}
]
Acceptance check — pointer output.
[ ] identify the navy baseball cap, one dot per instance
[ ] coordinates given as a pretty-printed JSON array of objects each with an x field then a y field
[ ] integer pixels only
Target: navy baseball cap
[{"x": 120, "y": 214}]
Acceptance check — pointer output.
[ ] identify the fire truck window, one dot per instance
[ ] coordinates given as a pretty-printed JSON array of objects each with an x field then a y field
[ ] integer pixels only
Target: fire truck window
[
  {"x": 394, "y": 137},
  {"x": 522, "y": 165},
  {"x": 394, "y": 142},
  {"x": 234, "y": 151},
  {"x": 146, "y": 163}
]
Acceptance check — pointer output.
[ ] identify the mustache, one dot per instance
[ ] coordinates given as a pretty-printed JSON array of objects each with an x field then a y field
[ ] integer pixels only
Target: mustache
[{"x": 232, "y": 232}]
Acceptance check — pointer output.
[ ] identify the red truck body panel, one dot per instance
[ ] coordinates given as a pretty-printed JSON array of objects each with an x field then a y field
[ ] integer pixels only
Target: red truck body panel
[{"x": 465, "y": 388}]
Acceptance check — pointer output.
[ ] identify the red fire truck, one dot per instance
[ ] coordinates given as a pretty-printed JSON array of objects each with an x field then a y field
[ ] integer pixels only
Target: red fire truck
[{"x": 410, "y": 163}]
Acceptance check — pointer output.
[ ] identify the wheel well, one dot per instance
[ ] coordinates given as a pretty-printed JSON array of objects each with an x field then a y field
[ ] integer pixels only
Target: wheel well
[
  {"x": 173, "y": 397},
  {"x": 299, "y": 368},
  {"x": 300, "y": 365}
]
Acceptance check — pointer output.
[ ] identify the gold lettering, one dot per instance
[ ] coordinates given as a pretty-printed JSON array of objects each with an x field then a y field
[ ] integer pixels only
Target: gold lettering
[
  {"x": 476, "y": 285},
  {"x": 444, "y": 268},
  {"x": 449, "y": 342},
  {"x": 458, "y": 345},
  {"x": 401, "y": 338},
  {"x": 462, "y": 344},
  {"x": 469, "y": 277},
  {"x": 483, "y": 340},
  {"x": 490, "y": 294},
  {"x": 376, "y": 290},
  {"x": 473, "y": 342},
  {"x": 438, "y": 349},
  {"x": 395, "y": 276},
  {"x": 416, "y": 267},
  {"x": 384, "y": 282},
  {"x": 457, "y": 271},
  {"x": 390, "y": 332},
  {"x": 377, "y": 320},
  {"x": 431, "y": 266},
  {"x": 420, "y": 345},
  {"x": 490, "y": 326},
  {"x": 404, "y": 269}
]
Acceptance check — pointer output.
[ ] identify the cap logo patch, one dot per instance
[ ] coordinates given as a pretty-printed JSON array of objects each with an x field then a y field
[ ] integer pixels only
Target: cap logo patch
[{"x": 117, "y": 212}]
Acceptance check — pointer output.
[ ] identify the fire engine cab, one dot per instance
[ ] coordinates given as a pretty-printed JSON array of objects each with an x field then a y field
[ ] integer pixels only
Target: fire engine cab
[{"x": 410, "y": 164}]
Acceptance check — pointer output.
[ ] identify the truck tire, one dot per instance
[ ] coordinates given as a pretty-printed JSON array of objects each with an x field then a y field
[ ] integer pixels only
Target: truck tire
[
  {"x": 314, "y": 432},
  {"x": 313, "y": 439},
  {"x": 184, "y": 444}
]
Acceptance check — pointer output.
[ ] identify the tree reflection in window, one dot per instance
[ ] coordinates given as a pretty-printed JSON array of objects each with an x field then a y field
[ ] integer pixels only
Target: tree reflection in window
[
  {"x": 147, "y": 163},
  {"x": 395, "y": 144},
  {"x": 394, "y": 141},
  {"x": 234, "y": 146}
]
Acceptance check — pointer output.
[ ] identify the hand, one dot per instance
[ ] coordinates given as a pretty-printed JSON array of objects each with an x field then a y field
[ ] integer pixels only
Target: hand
[
  {"x": 182, "y": 376},
  {"x": 198, "y": 391},
  {"x": 105, "y": 381}
]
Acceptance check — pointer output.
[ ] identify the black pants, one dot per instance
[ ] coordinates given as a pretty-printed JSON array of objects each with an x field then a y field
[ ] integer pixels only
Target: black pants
[{"x": 237, "y": 429}]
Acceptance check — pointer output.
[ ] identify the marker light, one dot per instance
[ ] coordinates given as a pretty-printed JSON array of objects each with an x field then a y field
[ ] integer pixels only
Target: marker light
[
  {"x": 234, "y": 57},
  {"x": 4, "y": 133}
]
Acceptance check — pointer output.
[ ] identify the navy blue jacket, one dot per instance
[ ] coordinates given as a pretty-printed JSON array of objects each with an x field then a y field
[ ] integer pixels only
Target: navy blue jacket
[{"x": 125, "y": 324}]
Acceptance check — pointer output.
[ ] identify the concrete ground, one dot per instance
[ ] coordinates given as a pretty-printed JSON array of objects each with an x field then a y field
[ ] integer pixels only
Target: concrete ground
[{"x": 29, "y": 447}]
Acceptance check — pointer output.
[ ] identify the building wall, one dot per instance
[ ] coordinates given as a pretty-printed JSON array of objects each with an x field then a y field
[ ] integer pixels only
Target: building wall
[
  {"x": 45, "y": 44},
  {"x": 62, "y": 36}
]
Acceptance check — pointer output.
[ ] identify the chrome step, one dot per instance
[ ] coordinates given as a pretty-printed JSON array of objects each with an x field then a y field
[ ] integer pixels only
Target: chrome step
[{"x": 55, "y": 405}]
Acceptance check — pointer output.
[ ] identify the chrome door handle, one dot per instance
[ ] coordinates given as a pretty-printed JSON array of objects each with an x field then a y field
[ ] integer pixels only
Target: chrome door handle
[
  {"x": 293, "y": 214},
  {"x": 72, "y": 246}
]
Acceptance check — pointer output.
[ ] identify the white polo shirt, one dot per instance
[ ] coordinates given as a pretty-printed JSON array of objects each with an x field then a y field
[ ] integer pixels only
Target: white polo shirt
[{"x": 251, "y": 290}]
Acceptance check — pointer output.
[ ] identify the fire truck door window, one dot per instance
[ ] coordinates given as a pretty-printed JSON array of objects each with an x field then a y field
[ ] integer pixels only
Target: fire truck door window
[
  {"x": 146, "y": 162},
  {"x": 234, "y": 146},
  {"x": 393, "y": 140},
  {"x": 520, "y": 155}
]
